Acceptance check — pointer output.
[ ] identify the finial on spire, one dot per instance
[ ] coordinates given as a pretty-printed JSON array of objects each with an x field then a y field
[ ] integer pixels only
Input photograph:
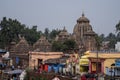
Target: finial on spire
[
  {"x": 83, "y": 13},
  {"x": 64, "y": 28}
]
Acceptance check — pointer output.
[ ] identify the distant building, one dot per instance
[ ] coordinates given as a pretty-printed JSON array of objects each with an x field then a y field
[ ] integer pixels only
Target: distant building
[{"x": 117, "y": 46}]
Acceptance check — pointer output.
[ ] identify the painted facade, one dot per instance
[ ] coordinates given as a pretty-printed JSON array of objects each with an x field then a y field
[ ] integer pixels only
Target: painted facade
[
  {"x": 93, "y": 63},
  {"x": 99, "y": 62},
  {"x": 38, "y": 58}
]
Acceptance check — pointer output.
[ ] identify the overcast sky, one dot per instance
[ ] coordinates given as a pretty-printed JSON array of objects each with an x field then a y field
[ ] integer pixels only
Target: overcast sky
[{"x": 53, "y": 14}]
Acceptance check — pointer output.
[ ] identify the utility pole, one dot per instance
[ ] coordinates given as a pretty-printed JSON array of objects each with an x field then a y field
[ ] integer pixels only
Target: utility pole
[
  {"x": 97, "y": 66},
  {"x": 97, "y": 61}
]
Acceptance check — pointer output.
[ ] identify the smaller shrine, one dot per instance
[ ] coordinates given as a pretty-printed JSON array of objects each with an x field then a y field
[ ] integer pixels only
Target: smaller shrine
[
  {"x": 42, "y": 45},
  {"x": 19, "y": 53},
  {"x": 63, "y": 35}
]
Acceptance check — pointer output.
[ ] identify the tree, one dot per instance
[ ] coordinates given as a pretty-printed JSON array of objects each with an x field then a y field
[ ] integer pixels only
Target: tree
[
  {"x": 118, "y": 36},
  {"x": 118, "y": 30},
  {"x": 102, "y": 38},
  {"x": 98, "y": 41},
  {"x": 32, "y": 35},
  {"x": 46, "y": 33},
  {"x": 63, "y": 46},
  {"x": 10, "y": 29},
  {"x": 118, "y": 27},
  {"x": 70, "y": 44},
  {"x": 54, "y": 33},
  {"x": 112, "y": 38},
  {"x": 57, "y": 46}
]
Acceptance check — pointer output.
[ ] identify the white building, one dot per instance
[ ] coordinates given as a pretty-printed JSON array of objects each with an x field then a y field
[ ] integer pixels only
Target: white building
[{"x": 117, "y": 46}]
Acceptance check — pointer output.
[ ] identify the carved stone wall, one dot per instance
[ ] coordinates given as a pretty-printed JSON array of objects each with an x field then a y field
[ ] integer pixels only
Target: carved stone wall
[{"x": 84, "y": 34}]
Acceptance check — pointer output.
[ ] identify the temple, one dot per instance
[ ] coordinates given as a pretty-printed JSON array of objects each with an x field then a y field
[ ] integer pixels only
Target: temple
[
  {"x": 84, "y": 34},
  {"x": 63, "y": 35}
]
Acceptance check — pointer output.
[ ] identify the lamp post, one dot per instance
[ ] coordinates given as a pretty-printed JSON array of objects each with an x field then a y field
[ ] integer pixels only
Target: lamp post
[
  {"x": 97, "y": 66},
  {"x": 97, "y": 44}
]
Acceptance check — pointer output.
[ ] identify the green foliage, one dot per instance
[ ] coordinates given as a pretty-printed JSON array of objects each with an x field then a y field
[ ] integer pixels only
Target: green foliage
[
  {"x": 118, "y": 36},
  {"x": 70, "y": 44},
  {"x": 98, "y": 41},
  {"x": 63, "y": 46},
  {"x": 32, "y": 35},
  {"x": 54, "y": 33},
  {"x": 118, "y": 27},
  {"x": 57, "y": 46},
  {"x": 11, "y": 29},
  {"x": 102, "y": 38},
  {"x": 113, "y": 40},
  {"x": 118, "y": 31},
  {"x": 46, "y": 33}
]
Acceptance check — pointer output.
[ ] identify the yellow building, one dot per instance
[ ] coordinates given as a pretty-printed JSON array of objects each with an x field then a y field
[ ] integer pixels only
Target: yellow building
[
  {"x": 84, "y": 62},
  {"x": 98, "y": 61}
]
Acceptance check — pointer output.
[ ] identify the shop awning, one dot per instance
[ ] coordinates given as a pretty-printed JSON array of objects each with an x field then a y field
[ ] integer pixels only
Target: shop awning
[{"x": 84, "y": 60}]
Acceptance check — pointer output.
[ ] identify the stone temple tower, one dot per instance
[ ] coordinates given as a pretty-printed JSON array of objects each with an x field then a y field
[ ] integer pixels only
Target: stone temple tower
[{"x": 84, "y": 34}]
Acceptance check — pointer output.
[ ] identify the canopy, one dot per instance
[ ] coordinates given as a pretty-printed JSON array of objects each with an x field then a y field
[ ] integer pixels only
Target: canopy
[{"x": 84, "y": 60}]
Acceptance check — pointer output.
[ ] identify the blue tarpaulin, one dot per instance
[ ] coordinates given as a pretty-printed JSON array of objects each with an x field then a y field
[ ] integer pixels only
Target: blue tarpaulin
[{"x": 17, "y": 60}]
